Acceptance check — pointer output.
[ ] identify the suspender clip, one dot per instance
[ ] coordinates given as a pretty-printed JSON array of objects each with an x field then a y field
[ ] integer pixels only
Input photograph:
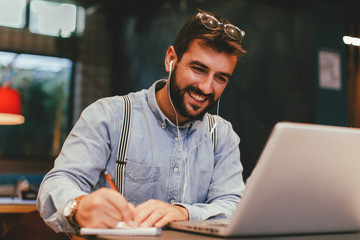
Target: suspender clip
[{"x": 121, "y": 162}]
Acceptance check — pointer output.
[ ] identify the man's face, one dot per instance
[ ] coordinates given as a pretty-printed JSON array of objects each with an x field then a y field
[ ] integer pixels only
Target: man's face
[{"x": 199, "y": 79}]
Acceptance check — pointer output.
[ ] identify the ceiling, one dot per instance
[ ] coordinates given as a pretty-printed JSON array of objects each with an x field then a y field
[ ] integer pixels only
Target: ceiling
[{"x": 114, "y": 7}]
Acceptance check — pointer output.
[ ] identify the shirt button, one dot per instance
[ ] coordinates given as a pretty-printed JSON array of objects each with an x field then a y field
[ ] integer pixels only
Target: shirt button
[
  {"x": 176, "y": 139},
  {"x": 163, "y": 124},
  {"x": 172, "y": 201},
  {"x": 176, "y": 169}
]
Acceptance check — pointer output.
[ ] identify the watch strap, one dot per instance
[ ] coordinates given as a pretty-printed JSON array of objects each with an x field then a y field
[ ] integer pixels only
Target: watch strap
[{"x": 74, "y": 207}]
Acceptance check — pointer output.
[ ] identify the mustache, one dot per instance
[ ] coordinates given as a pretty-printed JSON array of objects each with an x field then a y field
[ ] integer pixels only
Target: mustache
[{"x": 199, "y": 92}]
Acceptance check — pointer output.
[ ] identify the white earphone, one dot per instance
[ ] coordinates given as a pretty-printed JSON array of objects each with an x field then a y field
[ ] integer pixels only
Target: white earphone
[{"x": 171, "y": 65}]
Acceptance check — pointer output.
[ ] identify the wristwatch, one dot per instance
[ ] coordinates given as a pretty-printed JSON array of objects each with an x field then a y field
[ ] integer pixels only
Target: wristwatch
[{"x": 70, "y": 210}]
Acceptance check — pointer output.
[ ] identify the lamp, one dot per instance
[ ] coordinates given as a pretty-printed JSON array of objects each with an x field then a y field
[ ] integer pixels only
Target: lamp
[{"x": 10, "y": 106}]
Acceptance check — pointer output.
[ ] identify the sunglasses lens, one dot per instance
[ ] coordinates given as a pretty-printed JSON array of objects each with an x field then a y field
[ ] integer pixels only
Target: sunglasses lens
[
  {"x": 233, "y": 32},
  {"x": 209, "y": 21}
]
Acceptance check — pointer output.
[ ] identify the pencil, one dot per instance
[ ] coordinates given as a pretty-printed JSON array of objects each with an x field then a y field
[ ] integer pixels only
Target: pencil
[{"x": 110, "y": 181}]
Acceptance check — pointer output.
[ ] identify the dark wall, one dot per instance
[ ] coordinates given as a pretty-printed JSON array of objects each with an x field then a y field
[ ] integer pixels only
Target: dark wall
[
  {"x": 275, "y": 81},
  {"x": 331, "y": 108}
]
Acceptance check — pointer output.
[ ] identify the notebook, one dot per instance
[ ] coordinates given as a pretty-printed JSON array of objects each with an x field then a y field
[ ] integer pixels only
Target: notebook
[
  {"x": 122, "y": 229},
  {"x": 306, "y": 181}
]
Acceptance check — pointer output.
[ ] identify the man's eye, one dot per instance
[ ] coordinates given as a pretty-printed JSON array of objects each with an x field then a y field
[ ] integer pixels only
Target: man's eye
[
  {"x": 198, "y": 69},
  {"x": 221, "y": 78}
]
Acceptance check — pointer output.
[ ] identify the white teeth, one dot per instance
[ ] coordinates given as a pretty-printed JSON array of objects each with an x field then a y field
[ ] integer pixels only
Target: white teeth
[{"x": 197, "y": 97}]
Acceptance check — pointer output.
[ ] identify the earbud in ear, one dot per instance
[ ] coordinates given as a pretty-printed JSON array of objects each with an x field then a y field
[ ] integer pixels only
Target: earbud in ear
[{"x": 171, "y": 65}]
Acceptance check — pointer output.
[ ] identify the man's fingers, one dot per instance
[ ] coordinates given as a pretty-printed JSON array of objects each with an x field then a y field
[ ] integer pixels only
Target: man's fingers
[
  {"x": 155, "y": 217},
  {"x": 158, "y": 213},
  {"x": 104, "y": 208},
  {"x": 132, "y": 209},
  {"x": 142, "y": 215},
  {"x": 163, "y": 221},
  {"x": 122, "y": 207}
]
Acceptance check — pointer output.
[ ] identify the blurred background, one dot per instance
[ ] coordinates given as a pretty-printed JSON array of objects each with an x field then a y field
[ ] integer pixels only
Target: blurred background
[{"x": 302, "y": 65}]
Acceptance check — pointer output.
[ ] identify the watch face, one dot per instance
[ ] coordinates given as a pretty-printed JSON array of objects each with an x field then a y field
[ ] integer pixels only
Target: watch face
[{"x": 68, "y": 209}]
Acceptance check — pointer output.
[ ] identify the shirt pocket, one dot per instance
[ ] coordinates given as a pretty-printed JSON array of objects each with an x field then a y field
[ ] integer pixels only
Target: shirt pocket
[{"x": 140, "y": 182}]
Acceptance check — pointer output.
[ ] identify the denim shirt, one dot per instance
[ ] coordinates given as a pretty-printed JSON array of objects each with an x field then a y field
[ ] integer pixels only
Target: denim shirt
[{"x": 183, "y": 169}]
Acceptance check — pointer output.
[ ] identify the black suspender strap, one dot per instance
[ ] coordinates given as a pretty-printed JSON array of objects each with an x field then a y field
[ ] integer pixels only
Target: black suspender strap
[
  {"x": 123, "y": 145},
  {"x": 212, "y": 129}
]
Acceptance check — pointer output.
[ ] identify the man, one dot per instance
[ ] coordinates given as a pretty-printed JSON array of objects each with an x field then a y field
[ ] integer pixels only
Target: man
[{"x": 172, "y": 171}]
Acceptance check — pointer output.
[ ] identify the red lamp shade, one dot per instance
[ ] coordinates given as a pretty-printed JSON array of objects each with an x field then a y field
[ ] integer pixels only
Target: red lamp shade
[{"x": 10, "y": 107}]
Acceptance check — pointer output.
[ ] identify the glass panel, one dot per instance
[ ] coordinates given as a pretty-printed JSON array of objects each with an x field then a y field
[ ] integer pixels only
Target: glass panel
[
  {"x": 44, "y": 85},
  {"x": 12, "y": 13},
  {"x": 52, "y": 18}
]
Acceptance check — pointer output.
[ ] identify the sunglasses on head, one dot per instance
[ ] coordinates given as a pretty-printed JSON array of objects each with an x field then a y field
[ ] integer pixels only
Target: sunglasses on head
[{"x": 211, "y": 22}]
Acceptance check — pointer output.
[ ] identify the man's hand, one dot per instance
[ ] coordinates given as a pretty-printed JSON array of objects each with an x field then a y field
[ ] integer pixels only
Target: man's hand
[
  {"x": 158, "y": 213},
  {"x": 104, "y": 208}
]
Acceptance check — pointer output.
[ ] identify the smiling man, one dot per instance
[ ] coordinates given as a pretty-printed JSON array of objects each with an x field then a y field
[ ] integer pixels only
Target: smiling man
[
  {"x": 198, "y": 80},
  {"x": 175, "y": 169}
]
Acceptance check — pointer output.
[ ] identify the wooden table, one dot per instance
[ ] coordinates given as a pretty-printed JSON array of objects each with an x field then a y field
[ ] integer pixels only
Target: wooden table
[
  {"x": 9, "y": 205},
  {"x": 8, "y": 208},
  {"x": 178, "y": 235}
]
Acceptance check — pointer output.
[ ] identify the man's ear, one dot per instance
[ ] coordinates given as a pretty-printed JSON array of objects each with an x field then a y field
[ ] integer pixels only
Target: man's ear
[{"x": 170, "y": 59}]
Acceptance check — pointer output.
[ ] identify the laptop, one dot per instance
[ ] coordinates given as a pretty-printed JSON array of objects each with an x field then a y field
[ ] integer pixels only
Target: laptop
[{"x": 306, "y": 181}]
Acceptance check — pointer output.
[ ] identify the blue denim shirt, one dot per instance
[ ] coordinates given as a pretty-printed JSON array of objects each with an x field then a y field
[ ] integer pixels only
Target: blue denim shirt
[{"x": 155, "y": 169}]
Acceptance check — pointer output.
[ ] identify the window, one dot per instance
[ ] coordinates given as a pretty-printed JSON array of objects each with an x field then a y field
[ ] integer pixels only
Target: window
[
  {"x": 13, "y": 13},
  {"x": 53, "y": 18},
  {"x": 44, "y": 84},
  {"x": 45, "y": 17}
]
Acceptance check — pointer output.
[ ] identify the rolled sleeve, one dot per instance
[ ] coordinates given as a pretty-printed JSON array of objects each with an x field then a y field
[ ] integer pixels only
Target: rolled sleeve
[{"x": 78, "y": 167}]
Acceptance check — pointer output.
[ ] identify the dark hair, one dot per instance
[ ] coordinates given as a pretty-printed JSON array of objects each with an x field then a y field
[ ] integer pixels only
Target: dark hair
[{"x": 216, "y": 39}]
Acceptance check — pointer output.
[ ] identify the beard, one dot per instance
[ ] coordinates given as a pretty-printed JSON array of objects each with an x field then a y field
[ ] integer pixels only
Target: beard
[{"x": 178, "y": 99}]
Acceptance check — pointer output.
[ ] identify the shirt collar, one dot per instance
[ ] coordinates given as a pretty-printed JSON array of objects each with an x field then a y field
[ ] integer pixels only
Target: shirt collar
[{"x": 160, "y": 116}]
